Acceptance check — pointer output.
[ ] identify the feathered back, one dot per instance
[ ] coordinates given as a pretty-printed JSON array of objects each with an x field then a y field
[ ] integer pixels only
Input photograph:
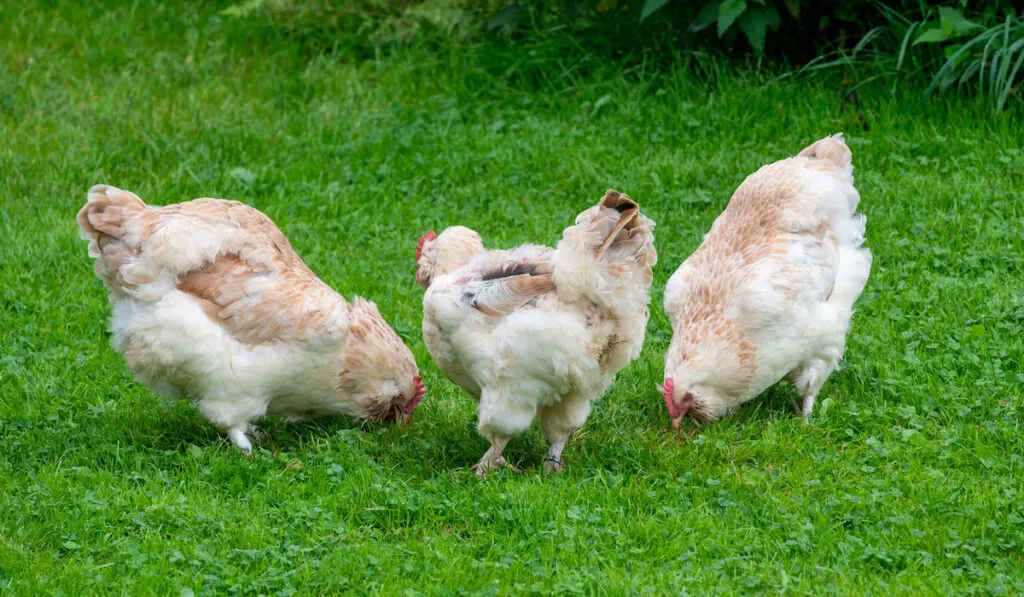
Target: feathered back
[
  {"x": 232, "y": 259},
  {"x": 607, "y": 255}
]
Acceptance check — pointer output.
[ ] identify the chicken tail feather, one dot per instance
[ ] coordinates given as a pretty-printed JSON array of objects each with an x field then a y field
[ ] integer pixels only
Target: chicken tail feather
[
  {"x": 832, "y": 154},
  {"x": 610, "y": 250},
  {"x": 103, "y": 217},
  {"x": 832, "y": 148},
  {"x": 104, "y": 221},
  {"x": 626, "y": 233}
]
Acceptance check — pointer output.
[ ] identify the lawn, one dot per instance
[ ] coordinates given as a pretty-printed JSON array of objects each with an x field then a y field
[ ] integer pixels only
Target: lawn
[{"x": 909, "y": 479}]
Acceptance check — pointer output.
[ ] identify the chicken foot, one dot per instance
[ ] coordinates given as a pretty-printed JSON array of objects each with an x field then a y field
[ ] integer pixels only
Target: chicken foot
[
  {"x": 808, "y": 406},
  {"x": 493, "y": 458},
  {"x": 809, "y": 381}
]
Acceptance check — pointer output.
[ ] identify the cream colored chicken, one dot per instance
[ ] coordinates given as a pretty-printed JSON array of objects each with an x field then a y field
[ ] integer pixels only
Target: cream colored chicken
[
  {"x": 534, "y": 332},
  {"x": 210, "y": 302},
  {"x": 770, "y": 292}
]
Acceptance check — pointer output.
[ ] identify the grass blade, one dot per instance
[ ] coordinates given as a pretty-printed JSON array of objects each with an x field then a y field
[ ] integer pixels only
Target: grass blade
[
  {"x": 951, "y": 61},
  {"x": 864, "y": 41},
  {"x": 981, "y": 71},
  {"x": 905, "y": 43},
  {"x": 1007, "y": 83},
  {"x": 969, "y": 72}
]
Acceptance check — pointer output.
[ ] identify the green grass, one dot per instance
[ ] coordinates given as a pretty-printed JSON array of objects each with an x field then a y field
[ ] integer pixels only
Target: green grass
[{"x": 910, "y": 479}]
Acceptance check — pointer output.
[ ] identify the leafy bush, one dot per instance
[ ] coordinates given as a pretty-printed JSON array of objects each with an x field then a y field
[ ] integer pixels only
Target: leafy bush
[
  {"x": 358, "y": 27},
  {"x": 954, "y": 41},
  {"x": 947, "y": 46},
  {"x": 996, "y": 52}
]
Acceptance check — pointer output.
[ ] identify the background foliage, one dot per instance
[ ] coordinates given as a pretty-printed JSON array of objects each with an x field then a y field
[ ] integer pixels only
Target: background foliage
[{"x": 978, "y": 45}]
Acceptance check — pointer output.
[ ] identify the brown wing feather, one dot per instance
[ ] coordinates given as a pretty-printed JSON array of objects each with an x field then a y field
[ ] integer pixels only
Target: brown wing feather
[
  {"x": 258, "y": 288},
  {"x": 257, "y": 304},
  {"x": 511, "y": 285}
]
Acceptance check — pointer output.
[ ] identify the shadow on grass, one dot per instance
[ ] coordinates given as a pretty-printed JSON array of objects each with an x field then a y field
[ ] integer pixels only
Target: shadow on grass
[
  {"x": 442, "y": 442},
  {"x": 152, "y": 430}
]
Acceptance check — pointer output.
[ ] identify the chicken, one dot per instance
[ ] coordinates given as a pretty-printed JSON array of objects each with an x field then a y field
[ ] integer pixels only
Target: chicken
[
  {"x": 534, "y": 332},
  {"x": 770, "y": 292},
  {"x": 210, "y": 302}
]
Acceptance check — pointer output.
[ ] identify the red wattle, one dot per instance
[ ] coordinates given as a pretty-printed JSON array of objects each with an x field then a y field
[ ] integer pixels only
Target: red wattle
[{"x": 667, "y": 391}]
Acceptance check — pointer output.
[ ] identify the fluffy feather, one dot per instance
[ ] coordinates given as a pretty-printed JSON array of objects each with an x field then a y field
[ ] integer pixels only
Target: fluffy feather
[
  {"x": 211, "y": 302},
  {"x": 534, "y": 332},
  {"x": 770, "y": 292}
]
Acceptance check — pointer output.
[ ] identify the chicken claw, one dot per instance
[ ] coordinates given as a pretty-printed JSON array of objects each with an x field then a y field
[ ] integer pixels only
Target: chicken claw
[
  {"x": 493, "y": 458},
  {"x": 482, "y": 467},
  {"x": 553, "y": 465}
]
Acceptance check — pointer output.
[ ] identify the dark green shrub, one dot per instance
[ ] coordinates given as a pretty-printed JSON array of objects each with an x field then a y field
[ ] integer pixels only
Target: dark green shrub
[
  {"x": 990, "y": 56},
  {"x": 955, "y": 41}
]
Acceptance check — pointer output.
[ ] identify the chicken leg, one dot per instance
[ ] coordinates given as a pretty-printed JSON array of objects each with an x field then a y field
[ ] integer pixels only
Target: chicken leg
[
  {"x": 240, "y": 439},
  {"x": 553, "y": 460},
  {"x": 559, "y": 421},
  {"x": 234, "y": 416},
  {"x": 808, "y": 381}
]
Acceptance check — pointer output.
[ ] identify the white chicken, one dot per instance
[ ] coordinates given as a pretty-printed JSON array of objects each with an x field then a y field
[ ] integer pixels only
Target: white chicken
[
  {"x": 534, "y": 332},
  {"x": 210, "y": 302},
  {"x": 770, "y": 292}
]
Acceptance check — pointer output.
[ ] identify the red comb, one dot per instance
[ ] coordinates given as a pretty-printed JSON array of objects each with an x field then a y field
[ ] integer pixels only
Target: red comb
[
  {"x": 420, "y": 392},
  {"x": 667, "y": 390},
  {"x": 426, "y": 238}
]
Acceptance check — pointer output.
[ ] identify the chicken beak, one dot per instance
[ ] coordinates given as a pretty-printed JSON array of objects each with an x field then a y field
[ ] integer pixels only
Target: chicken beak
[
  {"x": 405, "y": 418},
  {"x": 676, "y": 421}
]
